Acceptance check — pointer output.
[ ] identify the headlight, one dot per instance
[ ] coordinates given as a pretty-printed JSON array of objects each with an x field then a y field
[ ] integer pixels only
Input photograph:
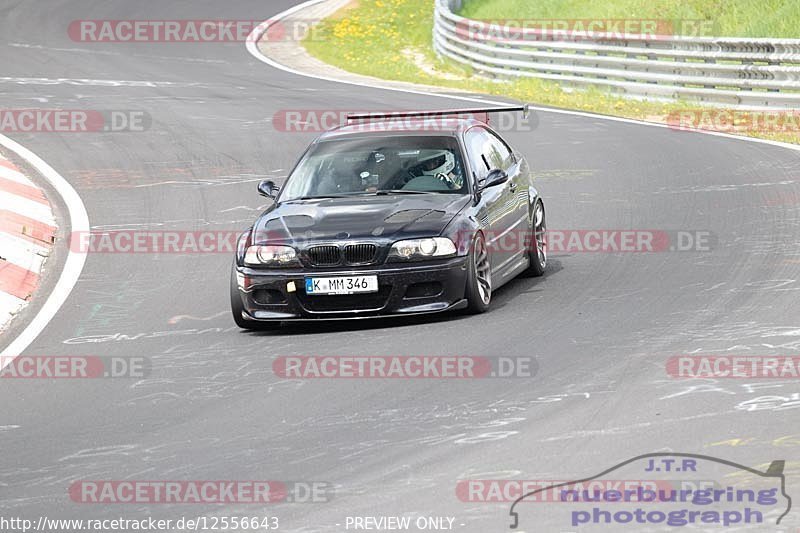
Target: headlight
[
  {"x": 416, "y": 249},
  {"x": 270, "y": 256}
]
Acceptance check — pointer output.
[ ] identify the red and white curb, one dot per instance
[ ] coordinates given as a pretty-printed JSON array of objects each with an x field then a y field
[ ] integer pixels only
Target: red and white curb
[{"x": 27, "y": 232}]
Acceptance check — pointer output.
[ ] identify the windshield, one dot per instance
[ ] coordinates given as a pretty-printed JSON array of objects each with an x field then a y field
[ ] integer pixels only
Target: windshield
[{"x": 395, "y": 165}]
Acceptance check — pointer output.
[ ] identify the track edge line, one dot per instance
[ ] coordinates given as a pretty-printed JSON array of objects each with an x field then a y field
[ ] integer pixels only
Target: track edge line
[{"x": 73, "y": 266}]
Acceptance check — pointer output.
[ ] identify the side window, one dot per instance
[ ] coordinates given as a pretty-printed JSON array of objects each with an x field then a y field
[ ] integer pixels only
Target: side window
[
  {"x": 500, "y": 154},
  {"x": 476, "y": 141},
  {"x": 487, "y": 152}
]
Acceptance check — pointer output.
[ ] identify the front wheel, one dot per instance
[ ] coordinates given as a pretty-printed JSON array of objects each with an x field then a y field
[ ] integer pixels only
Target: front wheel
[
  {"x": 479, "y": 277},
  {"x": 237, "y": 308}
]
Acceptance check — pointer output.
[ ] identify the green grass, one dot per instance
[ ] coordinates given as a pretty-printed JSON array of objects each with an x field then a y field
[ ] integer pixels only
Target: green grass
[
  {"x": 735, "y": 18},
  {"x": 369, "y": 39},
  {"x": 374, "y": 38}
]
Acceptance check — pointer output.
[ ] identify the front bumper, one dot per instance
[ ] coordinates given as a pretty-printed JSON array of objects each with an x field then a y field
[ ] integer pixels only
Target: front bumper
[{"x": 403, "y": 289}]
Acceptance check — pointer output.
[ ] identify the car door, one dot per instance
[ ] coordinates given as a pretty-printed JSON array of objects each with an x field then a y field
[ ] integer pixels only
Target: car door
[
  {"x": 493, "y": 208},
  {"x": 515, "y": 199}
]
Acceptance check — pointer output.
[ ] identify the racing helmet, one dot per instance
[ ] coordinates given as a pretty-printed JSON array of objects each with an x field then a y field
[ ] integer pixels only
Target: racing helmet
[{"x": 437, "y": 162}]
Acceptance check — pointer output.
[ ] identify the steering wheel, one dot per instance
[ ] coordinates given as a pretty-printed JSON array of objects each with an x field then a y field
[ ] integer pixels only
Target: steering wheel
[{"x": 447, "y": 180}]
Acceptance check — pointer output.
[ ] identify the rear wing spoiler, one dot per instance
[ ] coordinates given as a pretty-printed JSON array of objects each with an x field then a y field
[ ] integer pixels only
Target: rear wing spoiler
[{"x": 481, "y": 114}]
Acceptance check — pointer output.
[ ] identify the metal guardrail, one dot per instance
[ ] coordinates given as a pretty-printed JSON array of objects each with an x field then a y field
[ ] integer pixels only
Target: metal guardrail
[{"x": 752, "y": 73}]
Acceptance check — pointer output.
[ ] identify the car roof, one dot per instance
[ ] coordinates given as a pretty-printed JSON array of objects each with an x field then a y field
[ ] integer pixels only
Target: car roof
[{"x": 411, "y": 126}]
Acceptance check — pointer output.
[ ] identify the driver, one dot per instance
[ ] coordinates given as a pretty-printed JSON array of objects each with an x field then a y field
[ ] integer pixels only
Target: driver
[{"x": 441, "y": 164}]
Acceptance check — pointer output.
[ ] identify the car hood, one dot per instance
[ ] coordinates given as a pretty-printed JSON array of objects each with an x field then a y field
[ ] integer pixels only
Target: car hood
[{"x": 372, "y": 218}]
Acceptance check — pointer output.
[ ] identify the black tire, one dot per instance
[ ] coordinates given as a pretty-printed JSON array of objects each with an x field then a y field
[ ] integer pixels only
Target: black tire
[
  {"x": 237, "y": 308},
  {"x": 479, "y": 277},
  {"x": 537, "y": 249}
]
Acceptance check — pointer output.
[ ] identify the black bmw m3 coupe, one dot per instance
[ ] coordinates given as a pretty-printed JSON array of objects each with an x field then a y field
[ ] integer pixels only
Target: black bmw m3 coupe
[{"x": 396, "y": 215}]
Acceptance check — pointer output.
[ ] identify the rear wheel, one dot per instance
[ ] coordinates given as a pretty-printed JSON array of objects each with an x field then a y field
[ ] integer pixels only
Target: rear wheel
[
  {"x": 479, "y": 277},
  {"x": 237, "y": 308},
  {"x": 537, "y": 249}
]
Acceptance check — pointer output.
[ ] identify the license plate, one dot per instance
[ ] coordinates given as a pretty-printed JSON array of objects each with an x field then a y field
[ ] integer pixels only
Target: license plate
[{"x": 342, "y": 285}]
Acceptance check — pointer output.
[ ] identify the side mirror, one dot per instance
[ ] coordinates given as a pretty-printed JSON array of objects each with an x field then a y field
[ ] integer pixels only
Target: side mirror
[
  {"x": 268, "y": 188},
  {"x": 495, "y": 177}
]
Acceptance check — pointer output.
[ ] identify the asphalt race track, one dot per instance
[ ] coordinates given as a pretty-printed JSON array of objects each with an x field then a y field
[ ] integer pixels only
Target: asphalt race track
[{"x": 600, "y": 325}]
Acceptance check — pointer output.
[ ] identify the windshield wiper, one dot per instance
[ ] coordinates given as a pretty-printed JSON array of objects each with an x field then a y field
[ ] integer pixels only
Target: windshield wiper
[{"x": 386, "y": 192}]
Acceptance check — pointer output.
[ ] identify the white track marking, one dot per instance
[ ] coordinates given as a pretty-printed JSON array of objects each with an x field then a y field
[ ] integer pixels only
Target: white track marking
[
  {"x": 95, "y": 83},
  {"x": 22, "y": 253},
  {"x": 255, "y": 36},
  {"x": 24, "y": 206},
  {"x": 9, "y": 304},
  {"x": 14, "y": 175},
  {"x": 78, "y": 221}
]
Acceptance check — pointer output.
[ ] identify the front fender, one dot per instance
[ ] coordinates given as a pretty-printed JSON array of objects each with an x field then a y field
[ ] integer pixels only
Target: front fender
[
  {"x": 462, "y": 231},
  {"x": 241, "y": 246}
]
